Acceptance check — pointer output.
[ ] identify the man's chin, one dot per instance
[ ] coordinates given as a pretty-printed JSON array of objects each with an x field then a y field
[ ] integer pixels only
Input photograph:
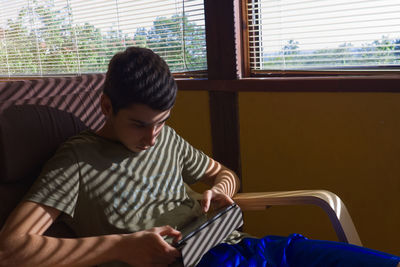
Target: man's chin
[
  {"x": 138, "y": 149},
  {"x": 134, "y": 149}
]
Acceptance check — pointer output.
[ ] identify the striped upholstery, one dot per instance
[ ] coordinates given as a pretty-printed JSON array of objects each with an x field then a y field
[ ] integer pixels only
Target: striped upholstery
[
  {"x": 35, "y": 117},
  {"x": 45, "y": 108},
  {"x": 77, "y": 95}
]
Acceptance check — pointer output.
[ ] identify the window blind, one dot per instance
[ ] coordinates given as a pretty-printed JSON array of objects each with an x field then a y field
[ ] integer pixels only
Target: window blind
[
  {"x": 324, "y": 35},
  {"x": 50, "y": 37}
]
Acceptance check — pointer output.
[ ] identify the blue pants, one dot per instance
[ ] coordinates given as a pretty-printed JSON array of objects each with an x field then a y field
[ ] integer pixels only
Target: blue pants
[{"x": 295, "y": 250}]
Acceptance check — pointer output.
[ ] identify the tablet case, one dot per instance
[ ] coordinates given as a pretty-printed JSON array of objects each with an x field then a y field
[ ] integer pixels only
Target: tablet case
[{"x": 209, "y": 233}]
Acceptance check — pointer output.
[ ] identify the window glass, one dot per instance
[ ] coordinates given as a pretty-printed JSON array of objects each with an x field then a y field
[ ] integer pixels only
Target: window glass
[
  {"x": 324, "y": 34},
  {"x": 45, "y": 37}
]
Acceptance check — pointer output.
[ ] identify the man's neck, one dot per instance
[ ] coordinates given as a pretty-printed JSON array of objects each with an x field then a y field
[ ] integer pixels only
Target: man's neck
[{"x": 106, "y": 132}]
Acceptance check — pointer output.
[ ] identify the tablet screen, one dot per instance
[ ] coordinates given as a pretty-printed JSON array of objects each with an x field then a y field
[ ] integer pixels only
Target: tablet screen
[{"x": 200, "y": 223}]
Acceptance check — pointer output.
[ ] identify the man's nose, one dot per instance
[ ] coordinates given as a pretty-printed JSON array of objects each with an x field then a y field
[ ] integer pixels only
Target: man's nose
[{"x": 151, "y": 135}]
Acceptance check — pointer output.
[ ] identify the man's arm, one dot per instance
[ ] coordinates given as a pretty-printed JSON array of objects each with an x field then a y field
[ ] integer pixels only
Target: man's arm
[
  {"x": 22, "y": 243},
  {"x": 224, "y": 182}
]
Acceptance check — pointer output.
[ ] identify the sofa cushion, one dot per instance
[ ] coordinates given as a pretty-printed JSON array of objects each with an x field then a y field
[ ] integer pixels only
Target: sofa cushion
[
  {"x": 10, "y": 196},
  {"x": 29, "y": 135}
]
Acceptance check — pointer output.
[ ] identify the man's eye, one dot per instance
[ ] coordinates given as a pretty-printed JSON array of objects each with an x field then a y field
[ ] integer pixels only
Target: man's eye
[{"x": 137, "y": 125}]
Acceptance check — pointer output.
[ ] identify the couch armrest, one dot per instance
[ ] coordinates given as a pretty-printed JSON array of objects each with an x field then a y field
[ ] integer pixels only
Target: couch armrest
[{"x": 328, "y": 201}]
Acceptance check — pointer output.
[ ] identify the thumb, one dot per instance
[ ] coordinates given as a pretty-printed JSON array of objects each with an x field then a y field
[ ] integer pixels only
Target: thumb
[{"x": 206, "y": 200}]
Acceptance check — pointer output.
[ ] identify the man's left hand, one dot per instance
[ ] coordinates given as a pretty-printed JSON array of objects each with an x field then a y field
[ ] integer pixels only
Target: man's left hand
[{"x": 216, "y": 198}]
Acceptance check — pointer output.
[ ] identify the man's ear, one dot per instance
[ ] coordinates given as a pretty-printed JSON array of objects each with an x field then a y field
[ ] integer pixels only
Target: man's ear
[{"x": 106, "y": 106}]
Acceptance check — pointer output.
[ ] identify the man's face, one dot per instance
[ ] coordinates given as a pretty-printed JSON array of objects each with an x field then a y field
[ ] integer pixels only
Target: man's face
[{"x": 138, "y": 126}]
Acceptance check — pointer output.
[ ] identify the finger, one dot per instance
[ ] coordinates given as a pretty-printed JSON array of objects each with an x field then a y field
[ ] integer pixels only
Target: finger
[
  {"x": 177, "y": 237},
  {"x": 169, "y": 231},
  {"x": 229, "y": 200},
  {"x": 167, "y": 252},
  {"x": 206, "y": 200},
  {"x": 222, "y": 198},
  {"x": 225, "y": 202}
]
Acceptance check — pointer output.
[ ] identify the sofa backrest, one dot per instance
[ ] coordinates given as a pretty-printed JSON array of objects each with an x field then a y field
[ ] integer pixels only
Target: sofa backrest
[{"x": 36, "y": 116}]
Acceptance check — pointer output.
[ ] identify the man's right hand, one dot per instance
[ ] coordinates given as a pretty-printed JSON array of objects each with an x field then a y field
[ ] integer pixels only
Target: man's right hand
[
  {"x": 22, "y": 243},
  {"x": 148, "y": 247}
]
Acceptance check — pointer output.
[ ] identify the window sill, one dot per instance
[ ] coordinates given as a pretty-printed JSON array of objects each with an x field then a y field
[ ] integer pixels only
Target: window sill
[{"x": 338, "y": 83}]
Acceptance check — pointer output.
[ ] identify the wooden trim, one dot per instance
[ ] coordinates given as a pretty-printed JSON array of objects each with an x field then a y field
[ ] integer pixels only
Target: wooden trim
[
  {"x": 369, "y": 83},
  {"x": 244, "y": 52},
  {"x": 239, "y": 33},
  {"x": 324, "y": 73},
  {"x": 382, "y": 83},
  {"x": 198, "y": 74},
  {"x": 220, "y": 38},
  {"x": 224, "y": 108},
  {"x": 222, "y": 44}
]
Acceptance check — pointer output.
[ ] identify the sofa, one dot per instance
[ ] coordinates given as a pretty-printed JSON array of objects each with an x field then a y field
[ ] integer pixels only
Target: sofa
[{"x": 36, "y": 116}]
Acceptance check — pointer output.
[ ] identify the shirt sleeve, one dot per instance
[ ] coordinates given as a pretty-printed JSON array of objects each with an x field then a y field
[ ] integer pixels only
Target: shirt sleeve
[
  {"x": 193, "y": 161},
  {"x": 58, "y": 183}
]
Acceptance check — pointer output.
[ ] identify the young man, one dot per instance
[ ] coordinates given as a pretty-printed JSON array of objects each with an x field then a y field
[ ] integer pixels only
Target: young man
[
  {"x": 122, "y": 190},
  {"x": 123, "y": 185}
]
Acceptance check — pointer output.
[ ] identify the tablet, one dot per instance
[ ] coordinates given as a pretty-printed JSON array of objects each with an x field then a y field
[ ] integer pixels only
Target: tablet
[{"x": 205, "y": 232}]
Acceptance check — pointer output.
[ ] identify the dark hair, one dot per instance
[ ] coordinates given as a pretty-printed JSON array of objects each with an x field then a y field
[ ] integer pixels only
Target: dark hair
[{"x": 139, "y": 76}]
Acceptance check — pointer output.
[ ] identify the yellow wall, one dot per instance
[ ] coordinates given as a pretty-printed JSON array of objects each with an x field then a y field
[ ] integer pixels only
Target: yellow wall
[{"x": 348, "y": 143}]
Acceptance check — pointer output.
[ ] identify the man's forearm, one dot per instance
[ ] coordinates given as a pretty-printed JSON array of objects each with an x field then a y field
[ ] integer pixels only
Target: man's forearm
[
  {"x": 227, "y": 182},
  {"x": 37, "y": 250}
]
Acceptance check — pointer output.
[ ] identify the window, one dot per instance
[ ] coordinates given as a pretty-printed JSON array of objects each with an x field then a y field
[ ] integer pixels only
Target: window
[
  {"x": 323, "y": 35},
  {"x": 50, "y": 37}
]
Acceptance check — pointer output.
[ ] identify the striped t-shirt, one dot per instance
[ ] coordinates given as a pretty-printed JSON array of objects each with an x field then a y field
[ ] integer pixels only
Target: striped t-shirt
[{"x": 106, "y": 188}]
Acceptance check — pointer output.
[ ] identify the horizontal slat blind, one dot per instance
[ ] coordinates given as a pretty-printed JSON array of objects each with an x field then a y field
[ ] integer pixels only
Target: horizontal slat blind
[
  {"x": 324, "y": 34},
  {"x": 49, "y": 37}
]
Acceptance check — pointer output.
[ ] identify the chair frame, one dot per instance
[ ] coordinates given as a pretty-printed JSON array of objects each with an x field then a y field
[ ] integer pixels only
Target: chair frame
[{"x": 328, "y": 201}]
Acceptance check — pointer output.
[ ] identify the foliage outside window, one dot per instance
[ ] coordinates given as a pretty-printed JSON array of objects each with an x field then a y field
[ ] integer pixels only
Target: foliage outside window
[
  {"x": 50, "y": 37},
  {"x": 311, "y": 35}
]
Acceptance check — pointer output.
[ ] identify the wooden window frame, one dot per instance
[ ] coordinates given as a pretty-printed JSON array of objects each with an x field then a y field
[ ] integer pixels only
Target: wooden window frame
[{"x": 338, "y": 74}]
